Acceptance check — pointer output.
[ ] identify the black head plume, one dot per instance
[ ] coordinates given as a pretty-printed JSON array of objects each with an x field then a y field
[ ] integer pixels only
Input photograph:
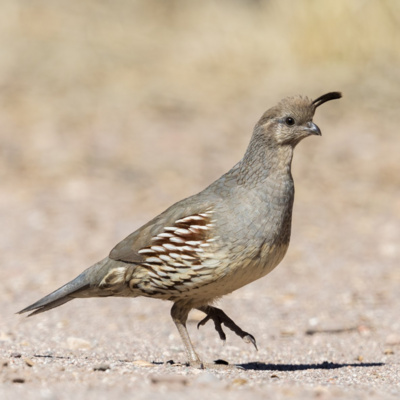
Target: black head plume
[{"x": 326, "y": 97}]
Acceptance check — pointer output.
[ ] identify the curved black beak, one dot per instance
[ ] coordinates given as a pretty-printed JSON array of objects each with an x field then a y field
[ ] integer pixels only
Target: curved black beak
[{"x": 313, "y": 129}]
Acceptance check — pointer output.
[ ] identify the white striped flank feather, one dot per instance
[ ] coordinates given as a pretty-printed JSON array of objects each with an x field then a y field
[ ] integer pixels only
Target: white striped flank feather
[{"x": 179, "y": 258}]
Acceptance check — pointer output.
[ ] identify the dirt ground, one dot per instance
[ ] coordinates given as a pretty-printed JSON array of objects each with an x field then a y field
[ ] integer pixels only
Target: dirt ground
[{"x": 96, "y": 140}]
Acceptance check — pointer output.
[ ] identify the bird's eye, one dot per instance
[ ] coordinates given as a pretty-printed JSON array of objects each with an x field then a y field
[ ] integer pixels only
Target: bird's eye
[{"x": 289, "y": 121}]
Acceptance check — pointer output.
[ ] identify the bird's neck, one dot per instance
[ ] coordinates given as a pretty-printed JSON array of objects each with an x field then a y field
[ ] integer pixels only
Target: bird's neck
[{"x": 265, "y": 162}]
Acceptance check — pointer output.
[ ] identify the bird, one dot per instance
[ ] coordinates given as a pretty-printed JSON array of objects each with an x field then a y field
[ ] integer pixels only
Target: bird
[{"x": 235, "y": 231}]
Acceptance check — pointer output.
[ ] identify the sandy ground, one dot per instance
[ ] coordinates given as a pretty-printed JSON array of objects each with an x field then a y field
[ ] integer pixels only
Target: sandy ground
[{"x": 111, "y": 112}]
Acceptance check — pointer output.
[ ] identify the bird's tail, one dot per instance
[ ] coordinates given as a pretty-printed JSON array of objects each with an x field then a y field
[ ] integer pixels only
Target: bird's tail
[{"x": 81, "y": 286}]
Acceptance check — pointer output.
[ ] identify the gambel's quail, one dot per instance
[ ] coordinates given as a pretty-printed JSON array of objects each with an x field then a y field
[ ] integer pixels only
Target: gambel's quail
[{"x": 235, "y": 231}]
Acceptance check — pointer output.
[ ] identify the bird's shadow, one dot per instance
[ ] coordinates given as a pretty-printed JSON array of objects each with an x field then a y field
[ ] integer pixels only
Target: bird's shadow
[{"x": 259, "y": 366}]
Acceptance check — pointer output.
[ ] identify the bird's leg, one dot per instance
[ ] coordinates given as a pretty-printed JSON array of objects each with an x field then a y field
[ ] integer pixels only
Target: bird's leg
[
  {"x": 219, "y": 317},
  {"x": 179, "y": 315}
]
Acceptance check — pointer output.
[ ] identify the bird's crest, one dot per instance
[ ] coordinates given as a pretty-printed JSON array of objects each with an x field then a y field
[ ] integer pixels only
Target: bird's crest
[{"x": 326, "y": 97}]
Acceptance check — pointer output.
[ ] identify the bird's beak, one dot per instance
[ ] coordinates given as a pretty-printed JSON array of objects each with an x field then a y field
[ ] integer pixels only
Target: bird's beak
[{"x": 313, "y": 129}]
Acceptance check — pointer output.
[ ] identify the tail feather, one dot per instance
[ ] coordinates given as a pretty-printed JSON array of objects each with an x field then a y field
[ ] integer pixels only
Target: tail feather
[
  {"x": 81, "y": 285},
  {"x": 46, "y": 307}
]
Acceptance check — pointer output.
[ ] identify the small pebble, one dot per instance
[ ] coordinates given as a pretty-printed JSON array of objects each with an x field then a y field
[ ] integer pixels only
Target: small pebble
[
  {"x": 393, "y": 339},
  {"x": 364, "y": 330},
  {"x": 207, "y": 377},
  {"x": 287, "y": 333},
  {"x": 320, "y": 391},
  {"x": 143, "y": 363},
  {"x": 239, "y": 382},
  {"x": 5, "y": 337},
  {"x": 74, "y": 343},
  {"x": 197, "y": 371},
  {"x": 15, "y": 355},
  {"x": 169, "y": 379},
  {"x": 29, "y": 362},
  {"x": 101, "y": 367}
]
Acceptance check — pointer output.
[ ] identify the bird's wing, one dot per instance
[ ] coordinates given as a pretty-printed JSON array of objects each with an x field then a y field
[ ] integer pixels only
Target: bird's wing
[
  {"x": 136, "y": 247},
  {"x": 173, "y": 253},
  {"x": 180, "y": 225}
]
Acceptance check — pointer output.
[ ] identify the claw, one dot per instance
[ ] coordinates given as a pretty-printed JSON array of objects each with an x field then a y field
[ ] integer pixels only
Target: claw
[
  {"x": 250, "y": 339},
  {"x": 203, "y": 321}
]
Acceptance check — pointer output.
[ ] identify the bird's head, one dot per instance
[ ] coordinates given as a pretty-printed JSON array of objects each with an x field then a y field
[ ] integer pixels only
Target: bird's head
[{"x": 290, "y": 120}]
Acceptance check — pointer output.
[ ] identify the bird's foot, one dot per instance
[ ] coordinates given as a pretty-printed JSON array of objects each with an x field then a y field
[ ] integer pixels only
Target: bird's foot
[{"x": 219, "y": 318}]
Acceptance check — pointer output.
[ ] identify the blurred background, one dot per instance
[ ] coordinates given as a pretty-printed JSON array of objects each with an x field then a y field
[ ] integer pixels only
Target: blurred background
[{"x": 112, "y": 111}]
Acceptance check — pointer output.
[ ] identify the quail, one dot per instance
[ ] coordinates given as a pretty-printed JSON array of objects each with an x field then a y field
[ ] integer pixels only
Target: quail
[{"x": 235, "y": 231}]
